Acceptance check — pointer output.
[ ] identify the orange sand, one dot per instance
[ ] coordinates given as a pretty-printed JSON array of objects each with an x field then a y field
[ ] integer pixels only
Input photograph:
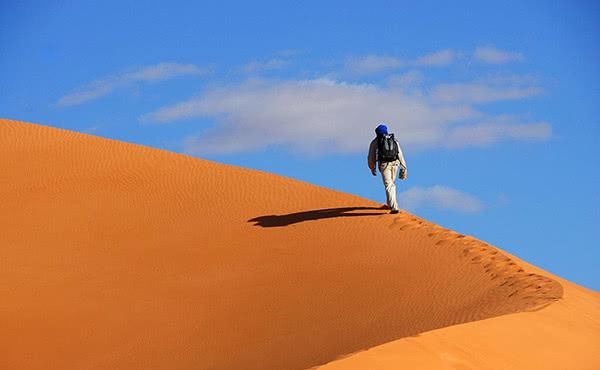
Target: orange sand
[{"x": 119, "y": 256}]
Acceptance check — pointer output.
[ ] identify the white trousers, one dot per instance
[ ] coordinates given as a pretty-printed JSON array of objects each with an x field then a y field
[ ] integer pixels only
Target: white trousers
[{"x": 389, "y": 173}]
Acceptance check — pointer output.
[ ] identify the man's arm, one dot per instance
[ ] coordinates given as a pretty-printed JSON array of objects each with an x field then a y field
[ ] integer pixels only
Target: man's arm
[
  {"x": 372, "y": 157},
  {"x": 404, "y": 170}
]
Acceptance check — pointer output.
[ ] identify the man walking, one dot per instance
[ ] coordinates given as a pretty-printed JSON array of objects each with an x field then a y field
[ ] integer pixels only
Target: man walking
[{"x": 385, "y": 151}]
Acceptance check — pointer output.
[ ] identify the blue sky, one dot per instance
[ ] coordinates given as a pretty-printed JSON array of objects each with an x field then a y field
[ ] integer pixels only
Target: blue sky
[{"x": 495, "y": 105}]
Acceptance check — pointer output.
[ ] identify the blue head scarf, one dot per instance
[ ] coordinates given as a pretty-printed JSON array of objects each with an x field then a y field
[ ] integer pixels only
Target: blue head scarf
[{"x": 381, "y": 130}]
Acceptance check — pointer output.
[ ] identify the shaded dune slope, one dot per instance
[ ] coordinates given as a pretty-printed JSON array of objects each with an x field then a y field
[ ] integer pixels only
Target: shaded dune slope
[{"x": 120, "y": 256}]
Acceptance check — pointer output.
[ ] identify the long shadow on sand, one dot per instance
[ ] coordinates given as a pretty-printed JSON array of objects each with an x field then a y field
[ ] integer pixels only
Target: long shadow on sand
[{"x": 317, "y": 214}]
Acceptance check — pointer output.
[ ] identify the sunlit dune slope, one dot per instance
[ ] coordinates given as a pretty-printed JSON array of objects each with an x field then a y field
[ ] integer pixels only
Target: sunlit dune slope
[
  {"x": 564, "y": 335},
  {"x": 119, "y": 256}
]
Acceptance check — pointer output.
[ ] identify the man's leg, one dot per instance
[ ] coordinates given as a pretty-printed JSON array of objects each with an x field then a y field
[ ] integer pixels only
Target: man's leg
[{"x": 389, "y": 171}]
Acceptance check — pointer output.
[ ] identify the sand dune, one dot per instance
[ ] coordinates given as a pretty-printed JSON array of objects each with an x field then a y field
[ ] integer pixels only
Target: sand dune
[{"x": 120, "y": 256}]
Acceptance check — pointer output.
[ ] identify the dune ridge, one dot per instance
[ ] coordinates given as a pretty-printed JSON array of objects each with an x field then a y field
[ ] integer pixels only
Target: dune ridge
[{"x": 120, "y": 256}]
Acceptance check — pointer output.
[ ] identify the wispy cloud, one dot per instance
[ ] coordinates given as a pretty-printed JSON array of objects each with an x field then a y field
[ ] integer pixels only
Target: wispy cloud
[
  {"x": 439, "y": 58},
  {"x": 481, "y": 92},
  {"x": 406, "y": 80},
  {"x": 440, "y": 197},
  {"x": 104, "y": 86},
  {"x": 324, "y": 115},
  {"x": 164, "y": 71},
  {"x": 494, "y": 130},
  {"x": 93, "y": 91},
  {"x": 373, "y": 64},
  {"x": 492, "y": 55},
  {"x": 268, "y": 65},
  {"x": 378, "y": 63}
]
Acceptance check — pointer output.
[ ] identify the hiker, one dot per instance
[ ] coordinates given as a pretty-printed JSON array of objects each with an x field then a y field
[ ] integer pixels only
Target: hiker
[{"x": 385, "y": 151}]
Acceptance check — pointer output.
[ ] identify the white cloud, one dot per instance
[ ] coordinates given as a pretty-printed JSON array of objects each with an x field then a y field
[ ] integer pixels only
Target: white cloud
[
  {"x": 373, "y": 64},
  {"x": 483, "y": 92},
  {"x": 310, "y": 116},
  {"x": 439, "y": 58},
  {"x": 323, "y": 115},
  {"x": 440, "y": 197},
  {"x": 490, "y": 132},
  {"x": 259, "y": 66},
  {"x": 489, "y": 54},
  {"x": 405, "y": 80},
  {"x": 104, "y": 86},
  {"x": 370, "y": 64},
  {"x": 378, "y": 63},
  {"x": 164, "y": 71},
  {"x": 93, "y": 91}
]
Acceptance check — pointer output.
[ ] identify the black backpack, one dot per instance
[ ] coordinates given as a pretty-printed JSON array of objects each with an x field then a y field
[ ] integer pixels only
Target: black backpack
[{"x": 387, "y": 148}]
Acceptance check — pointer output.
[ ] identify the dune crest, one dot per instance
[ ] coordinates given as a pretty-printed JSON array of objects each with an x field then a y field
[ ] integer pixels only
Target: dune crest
[{"x": 120, "y": 256}]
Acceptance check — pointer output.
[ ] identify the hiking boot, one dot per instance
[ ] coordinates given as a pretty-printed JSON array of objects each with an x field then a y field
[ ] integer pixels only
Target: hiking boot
[{"x": 394, "y": 211}]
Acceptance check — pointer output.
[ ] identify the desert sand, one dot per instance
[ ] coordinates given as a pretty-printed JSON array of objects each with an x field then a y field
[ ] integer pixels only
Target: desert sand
[{"x": 120, "y": 256}]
